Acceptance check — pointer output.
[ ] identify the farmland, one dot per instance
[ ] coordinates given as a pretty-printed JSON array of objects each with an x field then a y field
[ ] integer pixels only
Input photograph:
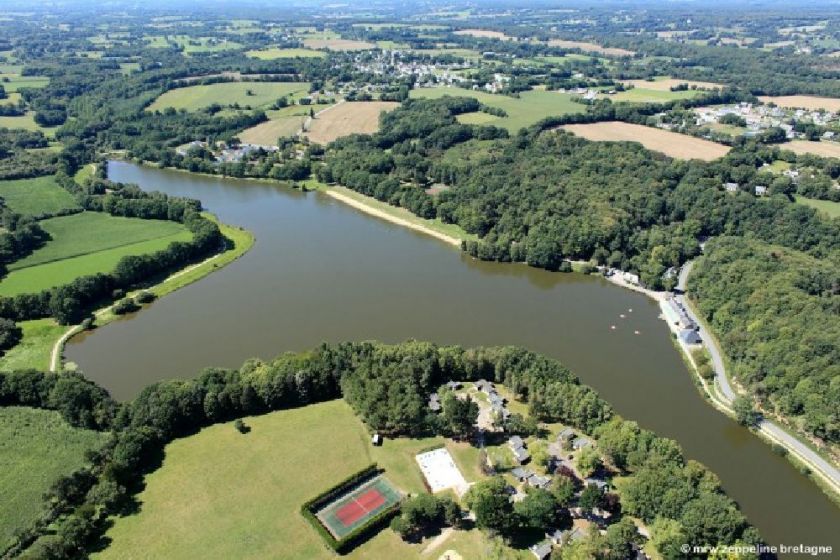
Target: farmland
[
  {"x": 527, "y": 109},
  {"x": 197, "y": 97},
  {"x": 210, "y": 512},
  {"x": 275, "y": 53},
  {"x": 669, "y": 143},
  {"x": 347, "y": 118},
  {"x": 824, "y": 149},
  {"x": 26, "y": 122},
  {"x": 652, "y": 95},
  {"x": 665, "y": 84},
  {"x": 484, "y": 34},
  {"x": 192, "y": 44},
  {"x": 36, "y": 448},
  {"x": 338, "y": 44},
  {"x": 589, "y": 47},
  {"x": 267, "y": 133},
  {"x": 810, "y": 102},
  {"x": 84, "y": 244},
  {"x": 36, "y": 197}
]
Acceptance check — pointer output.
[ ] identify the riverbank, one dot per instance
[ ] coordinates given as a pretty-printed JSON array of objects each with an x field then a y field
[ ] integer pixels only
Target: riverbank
[{"x": 242, "y": 241}]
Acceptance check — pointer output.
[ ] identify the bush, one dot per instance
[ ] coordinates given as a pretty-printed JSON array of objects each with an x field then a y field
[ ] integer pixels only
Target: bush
[
  {"x": 127, "y": 305},
  {"x": 145, "y": 297}
]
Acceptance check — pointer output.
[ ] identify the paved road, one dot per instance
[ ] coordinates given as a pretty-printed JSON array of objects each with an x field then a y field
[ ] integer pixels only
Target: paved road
[{"x": 771, "y": 429}]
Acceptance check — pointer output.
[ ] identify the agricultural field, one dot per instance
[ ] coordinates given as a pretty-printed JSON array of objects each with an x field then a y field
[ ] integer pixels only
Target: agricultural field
[
  {"x": 192, "y": 44},
  {"x": 87, "y": 243},
  {"x": 26, "y": 122},
  {"x": 352, "y": 117},
  {"x": 36, "y": 197},
  {"x": 589, "y": 47},
  {"x": 338, "y": 44},
  {"x": 484, "y": 34},
  {"x": 258, "y": 482},
  {"x": 650, "y": 95},
  {"x": 14, "y": 82},
  {"x": 672, "y": 144},
  {"x": 267, "y": 133},
  {"x": 665, "y": 84},
  {"x": 810, "y": 102},
  {"x": 827, "y": 207},
  {"x": 36, "y": 448},
  {"x": 197, "y": 97},
  {"x": 527, "y": 109},
  {"x": 824, "y": 149},
  {"x": 275, "y": 53},
  {"x": 35, "y": 348}
]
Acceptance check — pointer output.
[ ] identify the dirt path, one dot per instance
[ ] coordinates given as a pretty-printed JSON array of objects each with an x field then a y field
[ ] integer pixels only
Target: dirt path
[
  {"x": 391, "y": 218},
  {"x": 438, "y": 540}
]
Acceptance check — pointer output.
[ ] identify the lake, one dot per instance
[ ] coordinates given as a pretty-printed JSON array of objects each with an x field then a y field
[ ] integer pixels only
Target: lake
[{"x": 321, "y": 271}]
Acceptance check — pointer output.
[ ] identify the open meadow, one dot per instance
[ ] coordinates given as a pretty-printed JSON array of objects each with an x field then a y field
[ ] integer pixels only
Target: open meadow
[
  {"x": 197, "y": 97},
  {"x": 525, "y": 110},
  {"x": 824, "y": 149},
  {"x": 338, "y": 44},
  {"x": 351, "y": 117},
  {"x": 36, "y": 197},
  {"x": 589, "y": 47},
  {"x": 642, "y": 94},
  {"x": 274, "y": 53},
  {"x": 827, "y": 207},
  {"x": 26, "y": 122},
  {"x": 87, "y": 243},
  {"x": 36, "y": 448},
  {"x": 35, "y": 348},
  {"x": 484, "y": 34},
  {"x": 664, "y": 83},
  {"x": 810, "y": 102},
  {"x": 669, "y": 143},
  {"x": 230, "y": 495}
]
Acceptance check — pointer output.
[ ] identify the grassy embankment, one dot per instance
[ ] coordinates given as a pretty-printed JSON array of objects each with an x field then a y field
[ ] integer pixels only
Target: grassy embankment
[
  {"x": 40, "y": 336},
  {"x": 36, "y": 448},
  {"x": 248, "y": 504}
]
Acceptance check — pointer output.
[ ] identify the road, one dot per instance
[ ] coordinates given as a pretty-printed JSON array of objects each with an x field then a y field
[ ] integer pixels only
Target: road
[{"x": 815, "y": 462}]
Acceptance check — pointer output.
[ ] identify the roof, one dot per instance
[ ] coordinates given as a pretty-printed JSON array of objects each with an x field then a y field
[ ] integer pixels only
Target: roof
[
  {"x": 520, "y": 472},
  {"x": 600, "y": 483},
  {"x": 566, "y": 433},
  {"x": 516, "y": 441},
  {"x": 521, "y": 454},
  {"x": 538, "y": 481},
  {"x": 555, "y": 535},
  {"x": 541, "y": 550},
  {"x": 581, "y": 442},
  {"x": 690, "y": 336}
]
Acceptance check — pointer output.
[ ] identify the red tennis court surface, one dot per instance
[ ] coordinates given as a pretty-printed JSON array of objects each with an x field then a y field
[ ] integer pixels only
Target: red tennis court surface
[{"x": 360, "y": 507}]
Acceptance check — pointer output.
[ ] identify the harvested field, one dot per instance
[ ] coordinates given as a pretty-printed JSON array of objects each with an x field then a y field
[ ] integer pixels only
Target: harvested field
[
  {"x": 669, "y": 143},
  {"x": 589, "y": 47},
  {"x": 275, "y": 53},
  {"x": 253, "y": 94},
  {"x": 665, "y": 84},
  {"x": 825, "y": 149},
  {"x": 338, "y": 44},
  {"x": 484, "y": 34},
  {"x": 804, "y": 102},
  {"x": 267, "y": 133},
  {"x": 356, "y": 117}
]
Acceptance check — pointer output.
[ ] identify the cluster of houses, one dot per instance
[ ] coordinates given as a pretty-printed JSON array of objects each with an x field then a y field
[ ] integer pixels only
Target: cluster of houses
[
  {"x": 758, "y": 190},
  {"x": 498, "y": 404},
  {"x": 676, "y": 314},
  {"x": 761, "y": 117},
  {"x": 434, "y": 399},
  {"x": 225, "y": 153}
]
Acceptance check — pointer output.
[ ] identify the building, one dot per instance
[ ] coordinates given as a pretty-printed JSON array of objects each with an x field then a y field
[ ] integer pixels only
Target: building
[
  {"x": 541, "y": 550},
  {"x": 521, "y": 455},
  {"x": 565, "y": 435},
  {"x": 434, "y": 403},
  {"x": 580, "y": 443},
  {"x": 376, "y": 439},
  {"x": 537, "y": 481},
  {"x": 521, "y": 474},
  {"x": 731, "y": 187},
  {"x": 676, "y": 314},
  {"x": 453, "y": 385},
  {"x": 760, "y": 190},
  {"x": 484, "y": 386},
  {"x": 602, "y": 484},
  {"x": 555, "y": 537},
  {"x": 690, "y": 336}
]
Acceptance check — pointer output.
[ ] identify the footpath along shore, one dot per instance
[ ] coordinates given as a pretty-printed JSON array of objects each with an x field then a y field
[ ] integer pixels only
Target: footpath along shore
[{"x": 721, "y": 393}]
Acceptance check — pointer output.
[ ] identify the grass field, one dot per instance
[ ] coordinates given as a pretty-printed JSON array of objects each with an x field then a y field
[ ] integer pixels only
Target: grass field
[
  {"x": 645, "y": 95},
  {"x": 589, "y": 47},
  {"x": 827, "y": 207},
  {"x": 16, "y": 82},
  {"x": 665, "y": 83},
  {"x": 36, "y": 448},
  {"x": 229, "y": 495},
  {"x": 84, "y": 244},
  {"x": 484, "y": 34},
  {"x": 267, "y": 133},
  {"x": 192, "y": 98},
  {"x": 34, "y": 349},
  {"x": 530, "y": 107},
  {"x": 804, "y": 102},
  {"x": 338, "y": 44},
  {"x": 825, "y": 149},
  {"x": 347, "y": 118},
  {"x": 26, "y": 122},
  {"x": 669, "y": 143},
  {"x": 36, "y": 197},
  {"x": 275, "y": 53},
  {"x": 191, "y": 44}
]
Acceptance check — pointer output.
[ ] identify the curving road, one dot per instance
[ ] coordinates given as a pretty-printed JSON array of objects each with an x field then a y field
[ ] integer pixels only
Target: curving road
[{"x": 815, "y": 462}]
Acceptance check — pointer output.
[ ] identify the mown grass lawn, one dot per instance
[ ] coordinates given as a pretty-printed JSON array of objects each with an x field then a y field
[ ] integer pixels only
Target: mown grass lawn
[
  {"x": 228, "y": 495},
  {"x": 34, "y": 350},
  {"x": 193, "y": 98},
  {"x": 529, "y": 108},
  {"x": 36, "y": 448},
  {"x": 36, "y": 197},
  {"x": 26, "y": 122},
  {"x": 827, "y": 207},
  {"x": 84, "y": 244}
]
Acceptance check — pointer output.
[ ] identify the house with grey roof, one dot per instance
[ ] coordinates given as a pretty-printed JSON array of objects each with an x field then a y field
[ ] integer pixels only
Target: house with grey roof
[
  {"x": 581, "y": 442},
  {"x": 521, "y": 455},
  {"x": 434, "y": 403},
  {"x": 521, "y": 473},
  {"x": 541, "y": 550},
  {"x": 453, "y": 385},
  {"x": 731, "y": 187},
  {"x": 690, "y": 336},
  {"x": 760, "y": 190},
  {"x": 555, "y": 537},
  {"x": 537, "y": 481}
]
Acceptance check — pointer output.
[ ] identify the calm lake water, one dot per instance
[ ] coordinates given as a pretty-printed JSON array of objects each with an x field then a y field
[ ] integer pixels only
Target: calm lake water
[{"x": 321, "y": 271}]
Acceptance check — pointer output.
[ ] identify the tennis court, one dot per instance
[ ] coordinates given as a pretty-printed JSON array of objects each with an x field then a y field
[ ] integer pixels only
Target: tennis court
[{"x": 353, "y": 508}]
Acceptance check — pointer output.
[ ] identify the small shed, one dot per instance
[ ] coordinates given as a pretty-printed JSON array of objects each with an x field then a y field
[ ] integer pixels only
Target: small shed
[{"x": 376, "y": 439}]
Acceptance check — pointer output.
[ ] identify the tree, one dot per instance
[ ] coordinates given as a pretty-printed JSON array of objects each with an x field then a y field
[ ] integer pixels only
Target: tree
[
  {"x": 667, "y": 536},
  {"x": 490, "y": 502},
  {"x": 588, "y": 461},
  {"x": 620, "y": 539},
  {"x": 459, "y": 415},
  {"x": 591, "y": 497},
  {"x": 745, "y": 411},
  {"x": 422, "y": 513},
  {"x": 564, "y": 490},
  {"x": 539, "y": 510}
]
